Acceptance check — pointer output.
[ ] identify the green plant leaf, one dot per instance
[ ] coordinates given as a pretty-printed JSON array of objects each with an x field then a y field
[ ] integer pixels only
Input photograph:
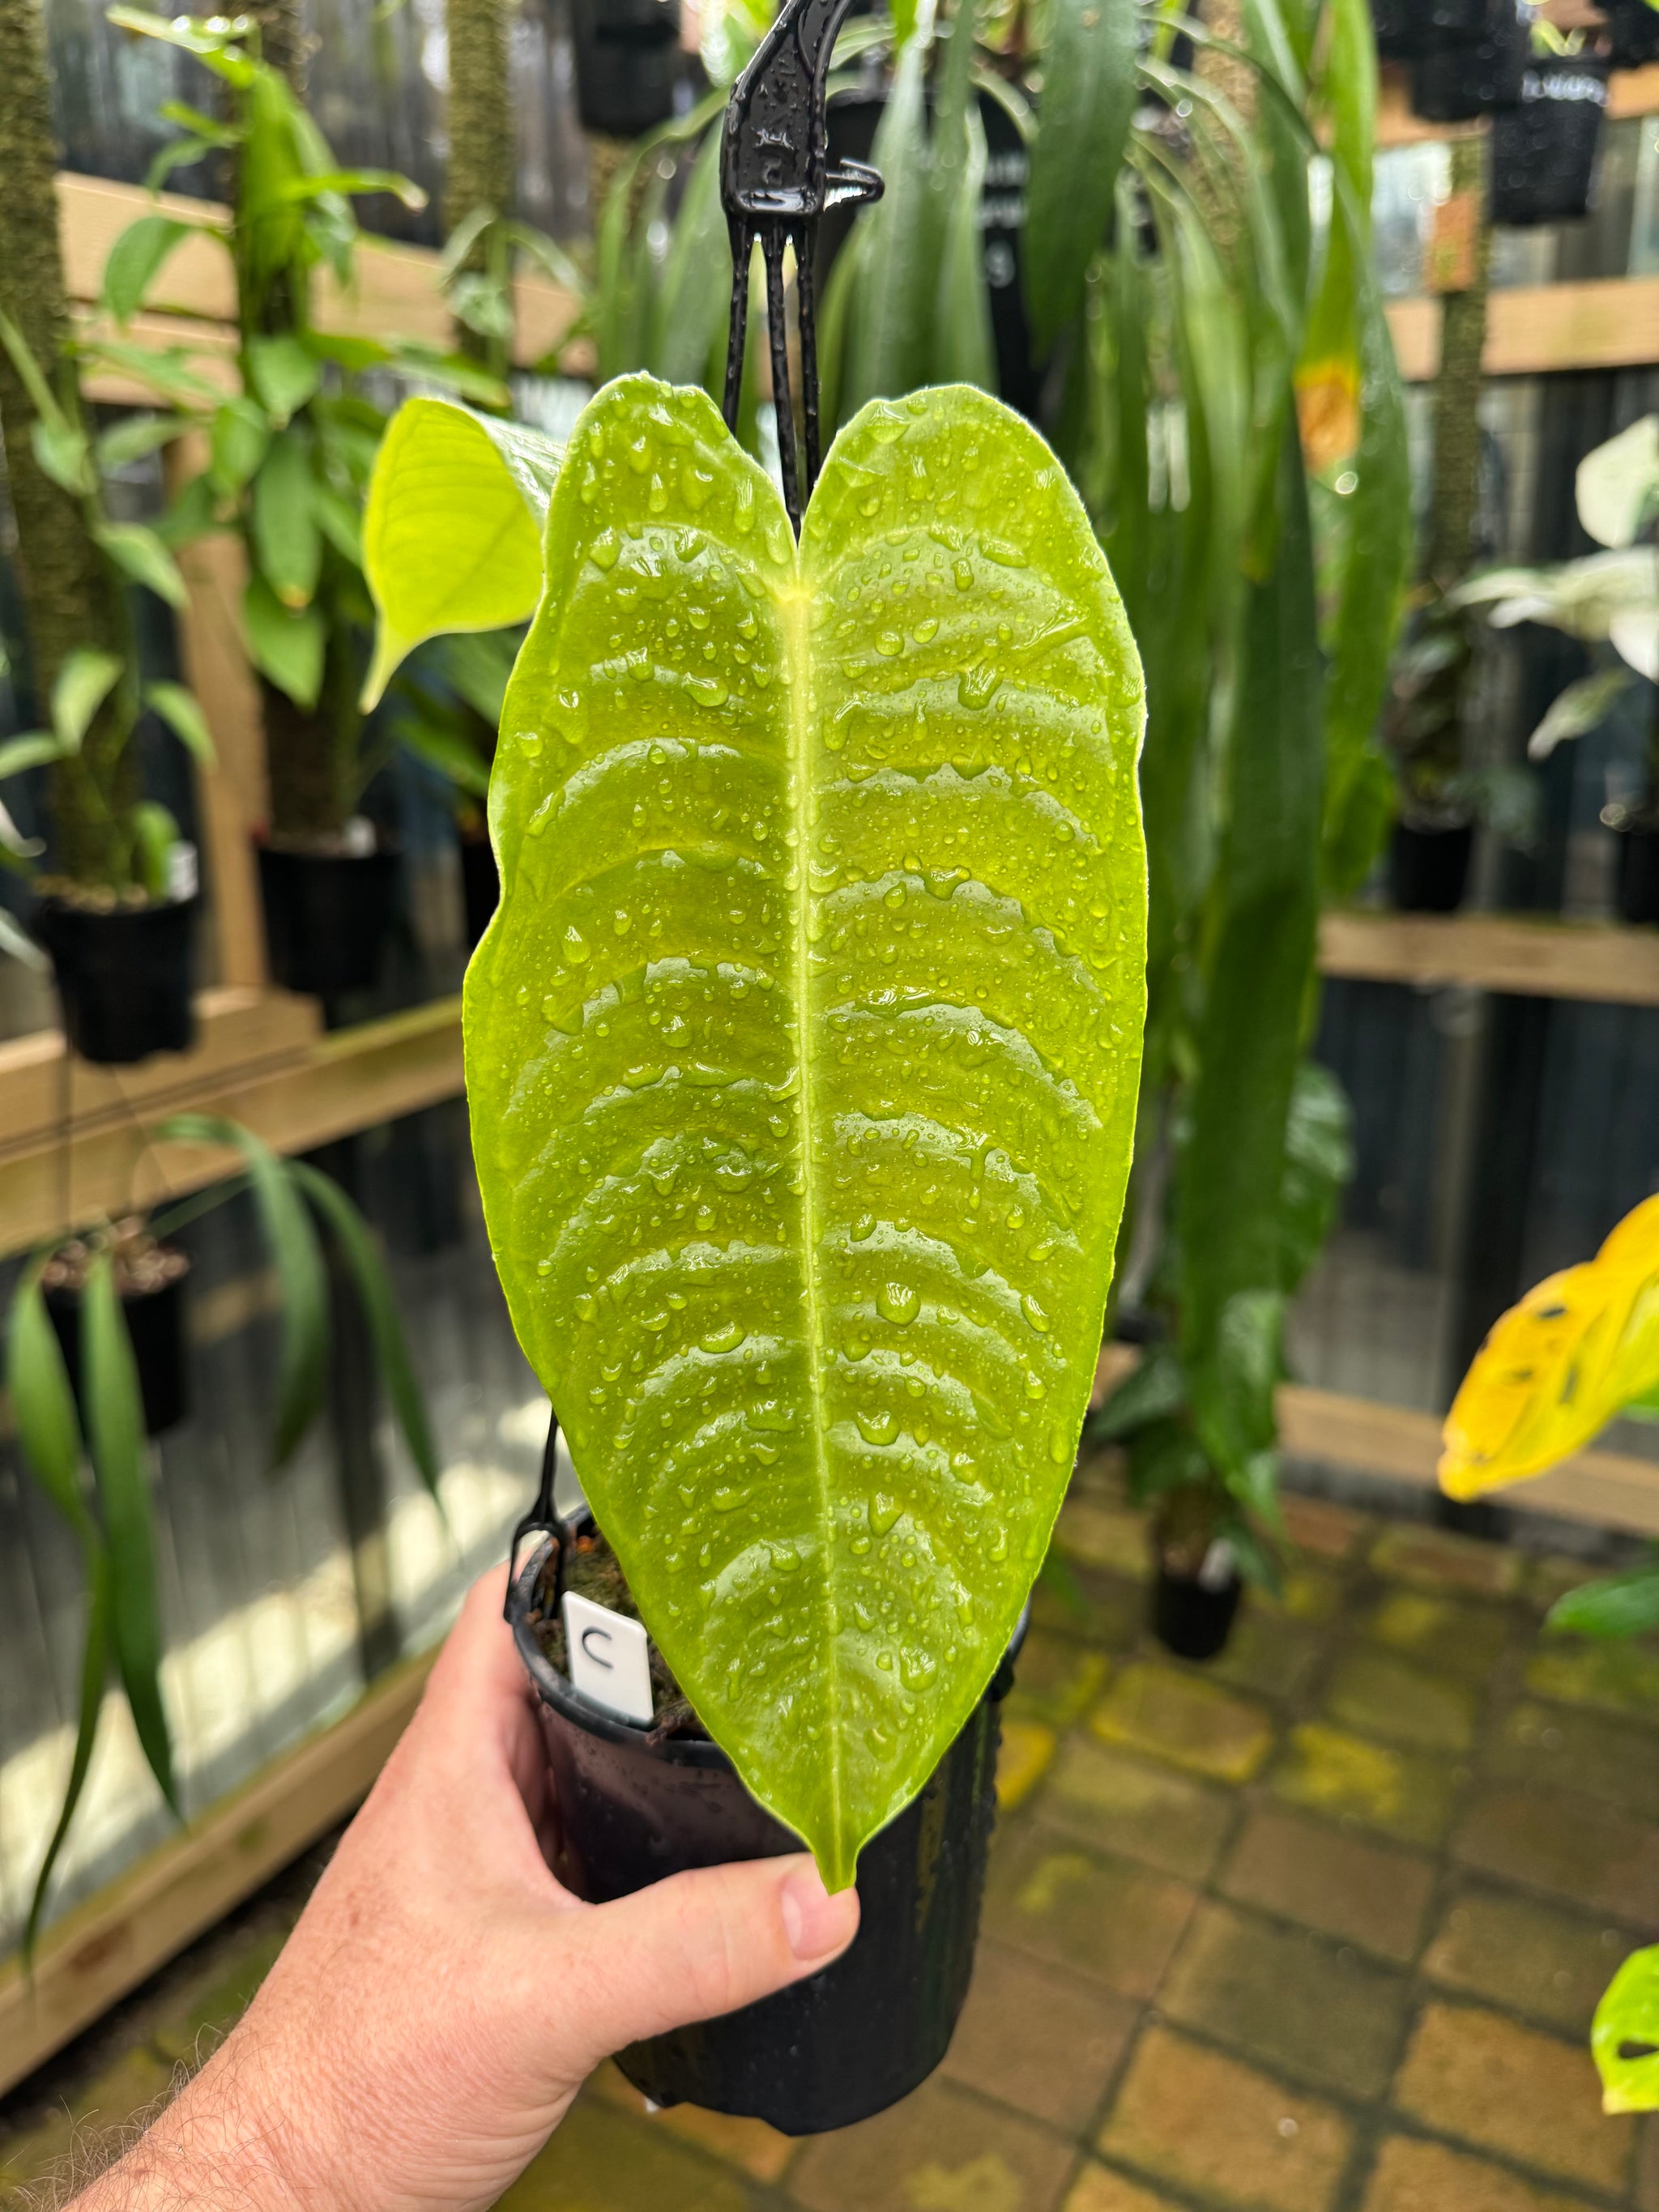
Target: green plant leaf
[
  {"x": 32, "y": 750},
  {"x": 303, "y": 1280},
  {"x": 84, "y": 682},
  {"x": 285, "y": 644},
  {"x": 1613, "y": 1605},
  {"x": 890, "y": 329},
  {"x": 286, "y": 542},
  {"x": 64, "y": 454},
  {"x": 1318, "y": 1166},
  {"x": 240, "y": 440},
  {"x": 453, "y": 530},
  {"x": 694, "y": 293},
  {"x": 284, "y": 373},
  {"x": 1624, "y": 2036},
  {"x": 142, "y": 558},
  {"x": 165, "y": 369},
  {"x": 212, "y": 43},
  {"x": 115, "y": 1432},
  {"x": 1083, "y": 127},
  {"x": 136, "y": 258},
  {"x": 1154, "y": 1389},
  {"x": 43, "y": 1402},
  {"x": 1376, "y": 565},
  {"x": 1232, "y": 1165},
  {"x": 181, "y": 711},
  {"x": 385, "y": 1327},
  {"x": 155, "y": 836},
  {"x": 137, "y": 437},
  {"x": 803, "y": 1050},
  {"x": 94, "y": 1673}
]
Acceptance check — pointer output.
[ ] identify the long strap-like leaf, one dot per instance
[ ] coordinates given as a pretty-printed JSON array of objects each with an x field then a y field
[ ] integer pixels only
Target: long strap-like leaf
[
  {"x": 94, "y": 1673},
  {"x": 380, "y": 1306},
  {"x": 115, "y": 1425},
  {"x": 1083, "y": 126},
  {"x": 301, "y": 1279}
]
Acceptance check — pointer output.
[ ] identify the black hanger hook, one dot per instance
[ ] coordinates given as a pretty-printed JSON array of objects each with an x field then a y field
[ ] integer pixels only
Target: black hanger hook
[{"x": 775, "y": 183}]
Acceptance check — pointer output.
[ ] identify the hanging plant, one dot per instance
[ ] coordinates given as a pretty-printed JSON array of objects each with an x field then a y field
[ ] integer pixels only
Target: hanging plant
[{"x": 96, "y": 1365}]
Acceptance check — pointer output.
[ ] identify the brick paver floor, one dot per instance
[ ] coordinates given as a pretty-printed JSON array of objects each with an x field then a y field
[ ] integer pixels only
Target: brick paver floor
[{"x": 1317, "y": 1928}]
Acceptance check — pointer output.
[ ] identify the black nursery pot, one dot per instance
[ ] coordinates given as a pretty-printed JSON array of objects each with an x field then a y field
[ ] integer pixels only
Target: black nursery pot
[
  {"x": 1543, "y": 150},
  {"x": 1457, "y": 75},
  {"x": 1406, "y": 28},
  {"x": 481, "y": 886},
  {"x": 1191, "y": 1619},
  {"x": 627, "y": 58},
  {"x": 156, "y": 1323},
  {"x": 1429, "y": 869},
  {"x": 1638, "y": 875},
  {"x": 124, "y": 978},
  {"x": 1635, "y": 28},
  {"x": 326, "y": 917},
  {"x": 847, "y": 2042}
]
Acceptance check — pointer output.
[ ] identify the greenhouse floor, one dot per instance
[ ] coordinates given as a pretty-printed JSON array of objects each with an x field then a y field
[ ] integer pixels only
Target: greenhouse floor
[{"x": 1318, "y": 1928}]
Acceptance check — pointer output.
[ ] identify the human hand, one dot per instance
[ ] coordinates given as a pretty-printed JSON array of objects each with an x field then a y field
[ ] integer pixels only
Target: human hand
[{"x": 443, "y": 1997}]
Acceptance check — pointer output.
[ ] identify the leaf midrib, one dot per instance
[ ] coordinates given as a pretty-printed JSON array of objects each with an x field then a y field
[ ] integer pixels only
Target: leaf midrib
[{"x": 794, "y": 610}]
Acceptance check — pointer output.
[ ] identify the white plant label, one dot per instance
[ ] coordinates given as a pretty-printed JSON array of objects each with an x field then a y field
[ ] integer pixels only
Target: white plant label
[{"x": 609, "y": 1660}]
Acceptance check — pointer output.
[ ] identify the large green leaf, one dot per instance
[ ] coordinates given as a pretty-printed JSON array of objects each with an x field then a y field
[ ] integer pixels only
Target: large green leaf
[
  {"x": 453, "y": 530},
  {"x": 115, "y": 1430},
  {"x": 1083, "y": 126},
  {"x": 802, "y": 1053}
]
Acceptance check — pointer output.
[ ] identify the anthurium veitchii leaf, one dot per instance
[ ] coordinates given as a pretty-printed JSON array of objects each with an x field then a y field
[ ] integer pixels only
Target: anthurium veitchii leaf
[
  {"x": 1556, "y": 1369},
  {"x": 802, "y": 1053},
  {"x": 452, "y": 529}
]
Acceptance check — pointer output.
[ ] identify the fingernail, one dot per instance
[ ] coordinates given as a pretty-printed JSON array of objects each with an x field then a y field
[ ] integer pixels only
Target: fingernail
[{"x": 816, "y": 1922}]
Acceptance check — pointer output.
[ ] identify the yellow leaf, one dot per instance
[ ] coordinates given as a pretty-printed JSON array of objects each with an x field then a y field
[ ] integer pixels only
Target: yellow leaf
[{"x": 1558, "y": 1366}]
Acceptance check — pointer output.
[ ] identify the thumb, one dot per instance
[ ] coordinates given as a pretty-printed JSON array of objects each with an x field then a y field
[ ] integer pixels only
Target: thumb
[{"x": 695, "y": 1946}]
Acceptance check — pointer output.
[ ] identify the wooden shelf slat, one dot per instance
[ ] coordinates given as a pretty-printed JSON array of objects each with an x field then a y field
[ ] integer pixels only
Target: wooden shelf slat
[
  {"x": 396, "y": 291},
  {"x": 1538, "y": 330},
  {"x": 1610, "y": 1490},
  {"x": 1542, "y": 959},
  {"x": 262, "y": 1059}
]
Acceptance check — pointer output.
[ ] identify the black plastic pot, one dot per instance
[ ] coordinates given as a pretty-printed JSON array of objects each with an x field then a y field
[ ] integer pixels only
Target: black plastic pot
[
  {"x": 1429, "y": 869},
  {"x": 125, "y": 979},
  {"x": 1405, "y": 28},
  {"x": 1189, "y": 1618},
  {"x": 1457, "y": 76},
  {"x": 1635, "y": 32},
  {"x": 1544, "y": 150},
  {"x": 867, "y": 2030},
  {"x": 481, "y": 886},
  {"x": 627, "y": 59},
  {"x": 156, "y": 1323},
  {"x": 1638, "y": 875},
  {"x": 326, "y": 917}
]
